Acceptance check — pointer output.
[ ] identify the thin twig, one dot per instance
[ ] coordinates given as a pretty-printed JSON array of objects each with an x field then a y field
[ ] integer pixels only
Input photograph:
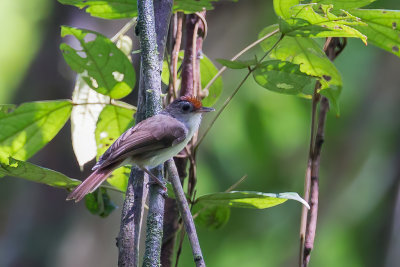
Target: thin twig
[
  {"x": 307, "y": 179},
  {"x": 175, "y": 54},
  {"x": 241, "y": 180},
  {"x": 185, "y": 213},
  {"x": 244, "y": 50},
  {"x": 124, "y": 29},
  {"x": 111, "y": 102},
  {"x": 314, "y": 189},
  {"x": 228, "y": 100},
  {"x": 332, "y": 48}
]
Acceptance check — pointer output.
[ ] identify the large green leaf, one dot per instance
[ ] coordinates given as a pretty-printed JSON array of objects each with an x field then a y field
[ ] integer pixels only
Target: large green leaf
[
  {"x": 312, "y": 60},
  {"x": 283, "y": 77},
  {"x": 305, "y": 21},
  {"x": 383, "y": 29},
  {"x": 249, "y": 199},
  {"x": 106, "y": 9},
  {"x": 213, "y": 210},
  {"x": 16, "y": 168},
  {"x": 345, "y": 4},
  {"x": 113, "y": 121},
  {"x": 27, "y": 129},
  {"x": 104, "y": 67}
]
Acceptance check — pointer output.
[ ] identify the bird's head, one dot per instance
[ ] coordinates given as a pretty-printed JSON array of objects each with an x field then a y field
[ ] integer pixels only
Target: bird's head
[{"x": 186, "y": 108}]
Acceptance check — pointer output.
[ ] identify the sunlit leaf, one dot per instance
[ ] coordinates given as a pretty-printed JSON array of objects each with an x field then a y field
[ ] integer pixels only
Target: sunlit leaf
[
  {"x": 383, "y": 28},
  {"x": 83, "y": 120},
  {"x": 282, "y": 77},
  {"x": 104, "y": 67},
  {"x": 249, "y": 199},
  {"x": 106, "y": 9},
  {"x": 113, "y": 121},
  {"x": 99, "y": 203},
  {"x": 305, "y": 21},
  {"x": 282, "y": 7},
  {"x": 312, "y": 60},
  {"x": 16, "y": 168},
  {"x": 345, "y": 4},
  {"x": 27, "y": 129}
]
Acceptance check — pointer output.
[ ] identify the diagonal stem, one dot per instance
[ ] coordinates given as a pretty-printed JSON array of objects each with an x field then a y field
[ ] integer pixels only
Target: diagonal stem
[
  {"x": 228, "y": 100},
  {"x": 185, "y": 213}
]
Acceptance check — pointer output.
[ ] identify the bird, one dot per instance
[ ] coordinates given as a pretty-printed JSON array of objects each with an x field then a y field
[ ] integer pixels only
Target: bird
[{"x": 148, "y": 144}]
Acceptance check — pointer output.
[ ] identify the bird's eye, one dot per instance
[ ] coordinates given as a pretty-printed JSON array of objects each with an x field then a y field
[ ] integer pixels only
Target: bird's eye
[{"x": 186, "y": 107}]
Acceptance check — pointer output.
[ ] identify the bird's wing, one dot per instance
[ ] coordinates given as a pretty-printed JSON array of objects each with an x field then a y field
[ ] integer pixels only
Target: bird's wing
[{"x": 158, "y": 132}]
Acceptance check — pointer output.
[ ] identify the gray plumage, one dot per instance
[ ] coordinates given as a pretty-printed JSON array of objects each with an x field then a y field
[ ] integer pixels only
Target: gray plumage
[{"x": 148, "y": 144}]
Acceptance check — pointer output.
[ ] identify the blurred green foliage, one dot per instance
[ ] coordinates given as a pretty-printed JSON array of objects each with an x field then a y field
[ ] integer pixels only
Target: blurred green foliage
[{"x": 21, "y": 31}]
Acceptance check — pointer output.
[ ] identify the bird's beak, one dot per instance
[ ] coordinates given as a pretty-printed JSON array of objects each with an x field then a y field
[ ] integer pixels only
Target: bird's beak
[{"x": 204, "y": 109}]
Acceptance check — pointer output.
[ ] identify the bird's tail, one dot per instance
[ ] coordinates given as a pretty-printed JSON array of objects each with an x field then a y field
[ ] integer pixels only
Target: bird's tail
[{"x": 90, "y": 184}]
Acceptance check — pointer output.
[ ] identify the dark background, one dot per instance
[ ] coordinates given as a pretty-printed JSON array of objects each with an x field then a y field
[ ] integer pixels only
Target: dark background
[{"x": 262, "y": 134}]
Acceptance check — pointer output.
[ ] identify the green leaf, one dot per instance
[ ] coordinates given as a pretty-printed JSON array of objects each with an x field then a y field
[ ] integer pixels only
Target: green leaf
[
  {"x": 211, "y": 217},
  {"x": 31, "y": 126},
  {"x": 165, "y": 71},
  {"x": 236, "y": 64},
  {"x": 113, "y": 122},
  {"x": 306, "y": 22},
  {"x": 119, "y": 178},
  {"x": 282, "y": 7},
  {"x": 207, "y": 72},
  {"x": 106, "y": 9},
  {"x": 345, "y": 4},
  {"x": 16, "y": 168},
  {"x": 99, "y": 203},
  {"x": 282, "y": 77},
  {"x": 383, "y": 28},
  {"x": 249, "y": 199},
  {"x": 170, "y": 190},
  {"x": 312, "y": 60},
  {"x": 120, "y": 9},
  {"x": 192, "y": 6},
  {"x": 104, "y": 67}
]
